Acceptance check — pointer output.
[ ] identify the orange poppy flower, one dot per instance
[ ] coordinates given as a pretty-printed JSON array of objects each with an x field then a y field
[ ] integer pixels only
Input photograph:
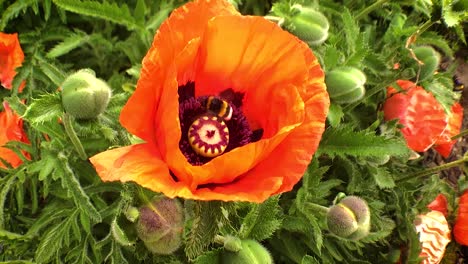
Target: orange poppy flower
[
  {"x": 444, "y": 143},
  {"x": 11, "y": 57},
  {"x": 460, "y": 230},
  {"x": 217, "y": 82},
  {"x": 422, "y": 116},
  {"x": 11, "y": 129}
]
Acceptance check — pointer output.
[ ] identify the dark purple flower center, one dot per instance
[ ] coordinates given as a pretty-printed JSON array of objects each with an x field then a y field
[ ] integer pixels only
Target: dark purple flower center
[{"x": 206, "y": 135}]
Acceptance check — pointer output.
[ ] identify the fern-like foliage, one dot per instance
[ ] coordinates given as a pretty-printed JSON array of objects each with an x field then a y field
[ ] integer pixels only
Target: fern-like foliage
[
  {"x": 343, "y": 140},
  {"x": 111, "y": 12}
]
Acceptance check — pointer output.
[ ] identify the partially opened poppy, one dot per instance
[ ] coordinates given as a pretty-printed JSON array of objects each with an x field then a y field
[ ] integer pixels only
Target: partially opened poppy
[
  {"x": 11, "y": 57},
  {"x": 231, "y": 108},
  {"x": 434, "y": 235},
  {"x": 460, "y": 229},
  {"x": 11, "y": 129},
  {"x": 444, "y": 143},
  {"x": 422, "y": 116}
]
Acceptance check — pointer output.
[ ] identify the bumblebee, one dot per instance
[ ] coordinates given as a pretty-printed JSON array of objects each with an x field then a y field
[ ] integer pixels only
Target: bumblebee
[{"x": 219, "y": 107}]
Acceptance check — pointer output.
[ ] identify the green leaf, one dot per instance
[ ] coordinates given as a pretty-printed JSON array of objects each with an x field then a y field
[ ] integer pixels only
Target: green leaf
[
  {"x": 335, "y": 114},
  {"x": 47, "y": 108},
  {"x": 70, "y": 43},
  {"x": 140, "y": 12},
  {"x": 342, "y": 141},
  {"x": 204, "y": 227},
  {"x": 351, "y": 30},
  {"x": 11, "y": 236},
  {"x": 112, "y": 12},
  {"x": 53, "y": 72},
  {"x": 13, "y": 11},
  {"x": 72, "y": 185},
  {"x": 309, "y": 260},
  {"x": 262, "y": 220},
  {"x": 119, "y": 235},
  {"x": 4, "y": 190},
  {"x": 382, "y": 177}
]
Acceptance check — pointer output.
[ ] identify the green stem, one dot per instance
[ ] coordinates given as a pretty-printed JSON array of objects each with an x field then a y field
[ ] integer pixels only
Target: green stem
[
  {"x": 462, "y": 134},
  {"x": 369, "y": 9},
  {"x": 433, "y": 170},
  {"x": 317, "y": 207},
  {"x": 425, "y": 27},
  {"x": 67, "y": 123}
]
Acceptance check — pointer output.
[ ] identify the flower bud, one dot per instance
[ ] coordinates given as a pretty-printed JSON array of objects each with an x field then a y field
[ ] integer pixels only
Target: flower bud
[
  {"x": 84, "y": 96},
  {"x": 251, "y": 252},
  {"x": 431, "y": 60},
  {"x": 350, "y": 218},
  {"x": 160, "y": 225},
  {"x": 345, "y": 85},
  {"x": 308, "y": 24}
]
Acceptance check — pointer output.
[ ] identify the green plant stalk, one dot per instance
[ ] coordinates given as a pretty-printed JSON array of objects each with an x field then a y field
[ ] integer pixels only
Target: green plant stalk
[
  {"x": 462, "y": 134},
  {"x": 73, "y": 137},
  {"x": 369, "y": 9},
  {"x": 317, "y": 207},
  {"x": 433, "y": 170}
]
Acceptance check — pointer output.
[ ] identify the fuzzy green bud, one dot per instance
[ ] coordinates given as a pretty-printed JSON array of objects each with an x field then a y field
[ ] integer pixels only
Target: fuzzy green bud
[
  {"x": 84, "y": 96},
  {"x": 251, "y": 252},
  {"x": 430, "y": 59},
  {"x": 350, "y": 218},
  {"x": 160, "y": 225},
  {"x": 308, "y": 24},
  {"x": 345, "y": 85}
]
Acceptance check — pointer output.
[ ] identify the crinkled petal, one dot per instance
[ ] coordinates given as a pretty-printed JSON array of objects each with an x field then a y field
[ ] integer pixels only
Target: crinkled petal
[
  {"x": 11, "y": 129},
  {"x": 11, "y": 57},
  {"x": 444, "y": 143},
  {"x": 422, "y": 116}
]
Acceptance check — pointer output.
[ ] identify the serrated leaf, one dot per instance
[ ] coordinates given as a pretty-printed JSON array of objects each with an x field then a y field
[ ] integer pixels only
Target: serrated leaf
[
  {"x": 342, "y": 141},
  {"x": 111, "y": 12},
  {"x": 13, "y": 11},
  {"x": 53, "y": 72},
  {"x": 119, "y": 235},
  {"x": 335, "y": 114},
  {"x": 72, "y": 185},
  {"x": 309, "y": 260},
  {"x": 11, "y": 236},
  {"x": 47, "y": 108},
  {"x": 262, "y": 220},
  {"x": 70, "y": 43},
  {"x": 210, "y": 257},
  {"x": 51, "y": 243},
  {"x": 140, "y": 12},
  {"x": 5, "y": 189},
  {"x": 351, "y": 30},
  {"x": 382, "y": 177},
  {"x": 204, "y": 227}
]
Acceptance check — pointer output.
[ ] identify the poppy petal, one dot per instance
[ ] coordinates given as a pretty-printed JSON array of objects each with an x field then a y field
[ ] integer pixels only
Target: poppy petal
[
  {"x": 460, "y": 229},
  {"x": 422, "y": 116},
  {"x": 171, "y": 39},
  {"x": 11, "y": 57},
  {"x": 444, "y": 143},
  {"x": 11, "y": 129},
  {"x": 139, "y": 163}
]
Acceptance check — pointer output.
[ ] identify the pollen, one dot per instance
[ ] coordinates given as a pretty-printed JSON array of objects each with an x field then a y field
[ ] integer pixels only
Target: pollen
[{"x": 208, "y": 136}]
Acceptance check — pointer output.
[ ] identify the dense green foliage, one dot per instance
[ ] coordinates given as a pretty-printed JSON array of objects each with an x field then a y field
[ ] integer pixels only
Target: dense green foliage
[{"x": 55, "y": 209}]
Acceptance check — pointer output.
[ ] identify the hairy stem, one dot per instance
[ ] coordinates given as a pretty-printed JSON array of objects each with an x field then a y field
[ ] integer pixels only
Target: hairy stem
[
  {"x": 433, "y": 170},
  {"x": 67, "y": 123},
  {"x": 317, "y": 207}
]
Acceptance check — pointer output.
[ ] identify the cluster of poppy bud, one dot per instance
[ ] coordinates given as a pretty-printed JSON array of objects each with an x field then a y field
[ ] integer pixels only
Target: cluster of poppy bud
[
  {"x": 84, "y": 96},
  {"x": 350, "y": 218}
]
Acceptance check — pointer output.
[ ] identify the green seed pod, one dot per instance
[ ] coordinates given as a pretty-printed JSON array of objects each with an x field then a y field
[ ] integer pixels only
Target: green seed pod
[
  {"x": 431, "y": 60},
  {"x": 345, "y": 85},
  {"x": 308, "y": 24},
  {"x": 251, "y": 252},
  {"x": 84, "y": 96},
  {"x": 350, "y": 218},
  {"x": 160, "y": 225}
]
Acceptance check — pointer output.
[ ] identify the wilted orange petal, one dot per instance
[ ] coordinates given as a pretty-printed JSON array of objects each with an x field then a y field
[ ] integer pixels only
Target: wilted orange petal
[
  {"x": 183, "y": 25},
  {"x": 460, "y": 230},
  {"x": 422, "y": 116},
  {"x": 444, "y": 143},
  {"x": 434, "y": 235},
  {"x": 11, "y": 57},
  {"x": 439, "y": 204}
]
